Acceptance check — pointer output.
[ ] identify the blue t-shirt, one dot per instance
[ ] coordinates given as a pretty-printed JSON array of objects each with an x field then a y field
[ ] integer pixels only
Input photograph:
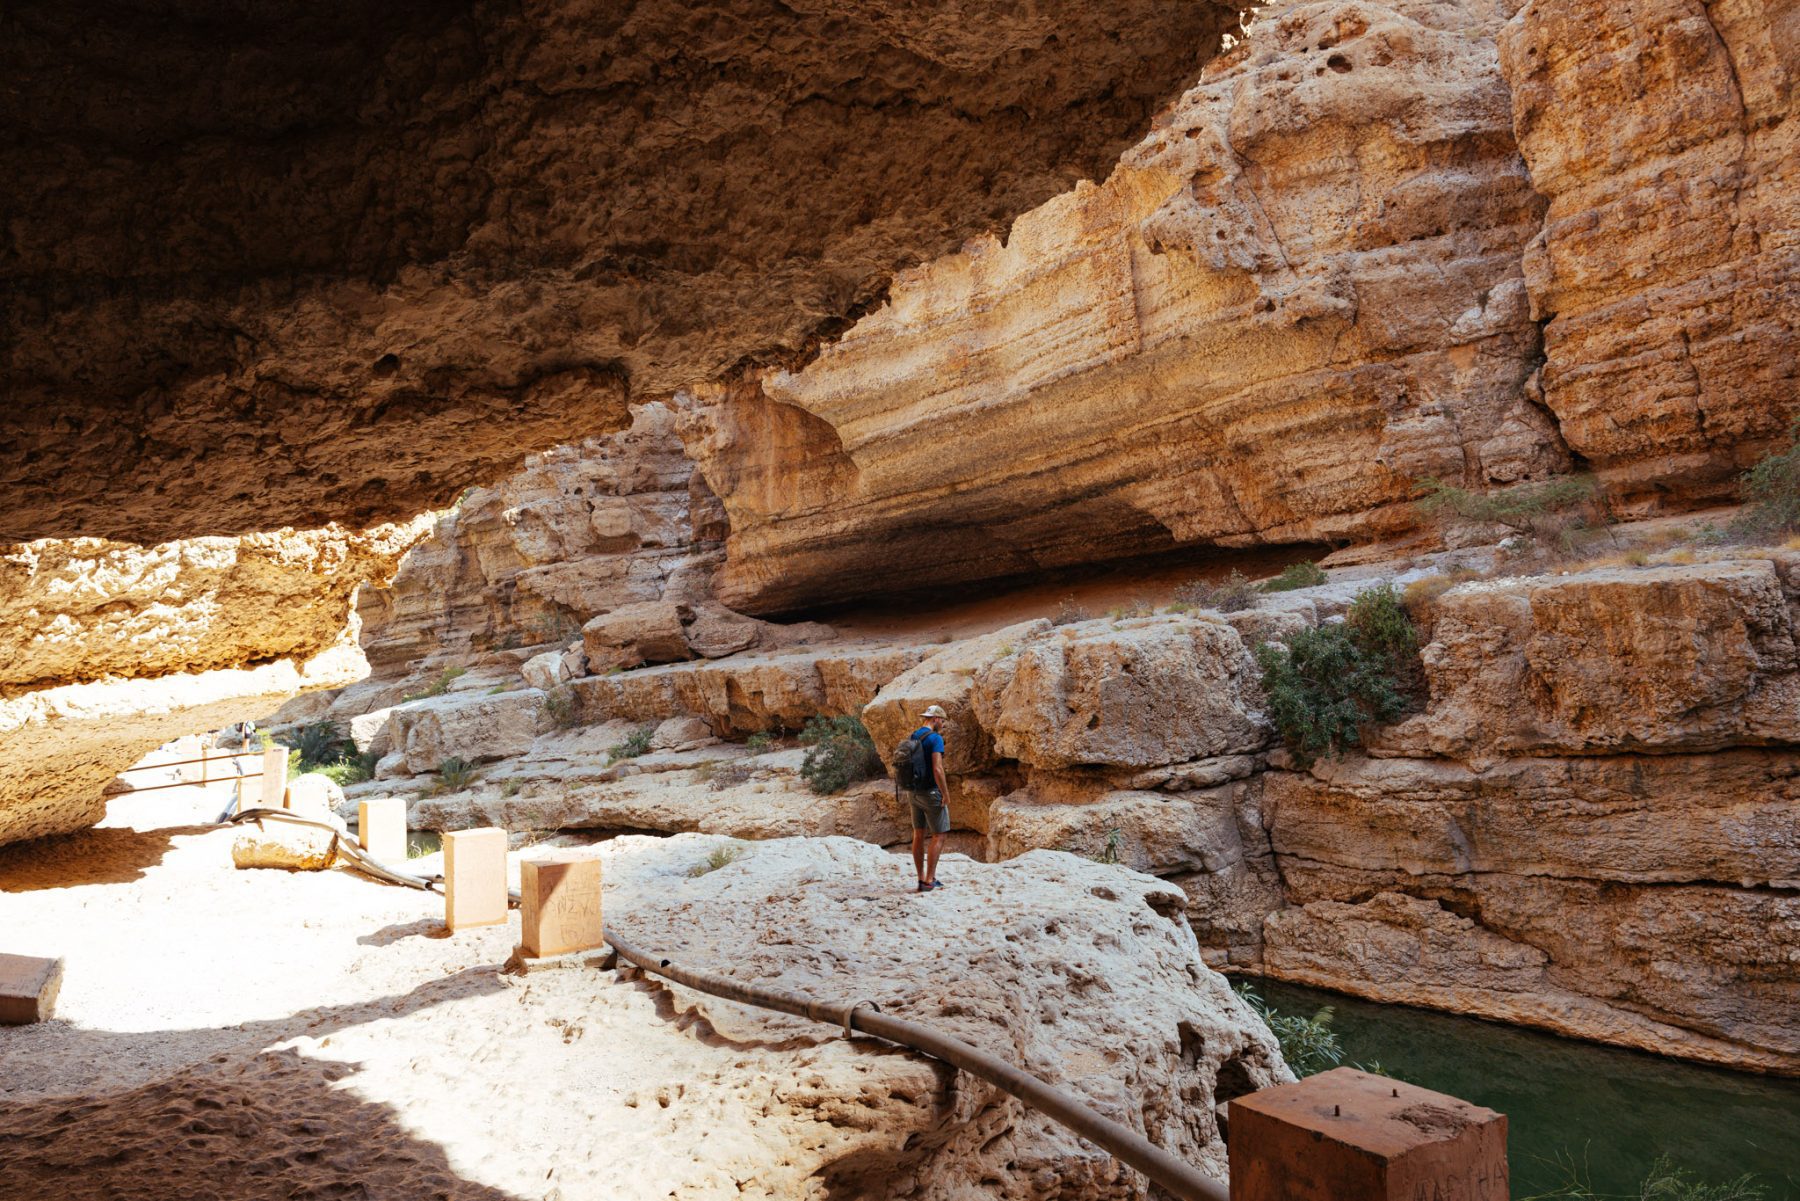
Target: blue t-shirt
[{"x": 934, "y": 742}]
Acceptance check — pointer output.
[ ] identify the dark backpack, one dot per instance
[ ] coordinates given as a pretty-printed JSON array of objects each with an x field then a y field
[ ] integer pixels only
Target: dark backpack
[{"x": 912, "y": 764}]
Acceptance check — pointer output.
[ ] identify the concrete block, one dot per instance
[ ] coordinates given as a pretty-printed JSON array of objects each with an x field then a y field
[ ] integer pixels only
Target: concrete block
[
  {"x": 1346, "y": 1135},
  {"x": 475, "y": 878},
  {"x": 560, "y": 907},
  {"x": 381, "y": 828},
  {"x": 28, "y": 988}
]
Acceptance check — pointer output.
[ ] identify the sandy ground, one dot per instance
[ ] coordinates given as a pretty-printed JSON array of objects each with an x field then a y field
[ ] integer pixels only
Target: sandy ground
[{"x": 264, "y": 1034}]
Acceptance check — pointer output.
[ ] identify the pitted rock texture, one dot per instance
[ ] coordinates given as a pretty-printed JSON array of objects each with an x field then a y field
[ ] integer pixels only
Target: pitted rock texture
[
  {"x": 272, "y": 267},
  {"x": 1668, "y": 269},
  {"x": 331, "y": 1057},
  {"x": 87, "y": 609},
  {"x": 577, "y": 531},
  {"x": 1084, "y": 974},
  {"x": 1299, "y": 294}
]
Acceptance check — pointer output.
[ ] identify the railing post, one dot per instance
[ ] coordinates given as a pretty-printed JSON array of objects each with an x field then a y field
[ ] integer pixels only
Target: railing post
[
  {"x": 1346, "y": 1135},
  {"x": 274, "y": 777}
]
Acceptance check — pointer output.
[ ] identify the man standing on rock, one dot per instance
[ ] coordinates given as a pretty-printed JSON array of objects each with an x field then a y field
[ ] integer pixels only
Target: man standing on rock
[{"x": 930, "y": 815}]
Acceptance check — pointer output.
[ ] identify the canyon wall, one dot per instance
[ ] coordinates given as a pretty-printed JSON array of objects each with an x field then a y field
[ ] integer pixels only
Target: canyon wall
[
  {"x": 1668, "y": 267},
  {"x": 1377, "y": 243}
]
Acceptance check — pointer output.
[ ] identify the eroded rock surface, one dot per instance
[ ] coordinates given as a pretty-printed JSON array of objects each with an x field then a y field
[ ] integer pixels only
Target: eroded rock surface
[
  {"x": 1299, "y": 294},
  {"x": 1668, "y": 269},
  {"x": 271, "y": 269}
]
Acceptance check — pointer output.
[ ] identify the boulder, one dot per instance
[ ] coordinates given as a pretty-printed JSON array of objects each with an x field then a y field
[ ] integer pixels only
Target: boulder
[
  {"x": 680, "y": 734},
  {"x": 545, "y": 671},
  {"x": 477, "y": 728},
  {"x": 575, "y": 662},
  {"x": 369, "y": 732},
  {"x": 1684, "y": 658},
  {"x": 275, "y": 843},
  {"x": 716, "y": 631},
  {"x": 947, "y": 677},
  {"x": 747, "y": 693},
  {"x": 636, "y": 634},
  {"x": 1156, "y": 832},
  {"x": 1045, "y": 959},
  {"x": 1137, "y": 693}
]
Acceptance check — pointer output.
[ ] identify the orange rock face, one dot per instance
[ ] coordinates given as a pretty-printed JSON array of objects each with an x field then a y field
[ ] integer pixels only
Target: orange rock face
[
  {"x": 1301, "y": 292},
  {"x": 1663, "y": 133}
]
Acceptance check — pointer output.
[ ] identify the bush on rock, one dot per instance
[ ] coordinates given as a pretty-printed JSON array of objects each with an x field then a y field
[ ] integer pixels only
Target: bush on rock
[
  {"x": 1325, "y": 683},
  {"x": 839, "y": 752}
]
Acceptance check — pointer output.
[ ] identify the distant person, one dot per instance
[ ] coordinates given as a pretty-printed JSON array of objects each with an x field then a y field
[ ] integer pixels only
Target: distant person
[{"x": 926, "y": 790}]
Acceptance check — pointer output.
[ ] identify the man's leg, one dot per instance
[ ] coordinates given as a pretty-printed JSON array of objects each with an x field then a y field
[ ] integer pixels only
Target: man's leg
[
  {"x": 919, "y": 854},
  {"x": 933, "y": 849}
]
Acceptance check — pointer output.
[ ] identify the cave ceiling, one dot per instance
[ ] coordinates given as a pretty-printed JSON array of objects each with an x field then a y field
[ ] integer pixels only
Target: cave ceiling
[{"x": 269, "y": 263}]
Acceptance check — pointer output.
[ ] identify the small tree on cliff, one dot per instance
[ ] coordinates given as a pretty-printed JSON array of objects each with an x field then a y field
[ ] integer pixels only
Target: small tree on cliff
[{"x": 1773, "y": 489}]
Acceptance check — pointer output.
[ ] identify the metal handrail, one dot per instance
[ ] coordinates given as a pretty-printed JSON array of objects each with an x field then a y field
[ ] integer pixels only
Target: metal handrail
[
  {"x": 186, "y": 762},
  {"x": 1179, "y": 1177}
]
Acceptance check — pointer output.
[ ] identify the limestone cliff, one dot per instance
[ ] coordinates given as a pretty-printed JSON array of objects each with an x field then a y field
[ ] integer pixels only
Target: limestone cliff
[
  {"x": 273, "y": 264},
  {"x": 1299, "y": 294},
  {"x": 1668, "y": 268},
  {"x": 577, "y": 532}
]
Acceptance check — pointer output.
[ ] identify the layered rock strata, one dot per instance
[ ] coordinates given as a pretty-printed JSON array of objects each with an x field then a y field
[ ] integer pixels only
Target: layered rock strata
[
  {"x": 108, "y": 651},
  {"x": 1299, "y": 294},
  {"x": 1589, "y": 827},
  {"x": 274, "y": 270},
  {"x": 1668, "y": 268},
  {"x": 579, "y": 531}
]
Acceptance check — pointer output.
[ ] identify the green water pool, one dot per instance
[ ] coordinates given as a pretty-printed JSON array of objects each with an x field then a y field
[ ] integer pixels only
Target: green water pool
[{"x": 1613, "y": 1111}]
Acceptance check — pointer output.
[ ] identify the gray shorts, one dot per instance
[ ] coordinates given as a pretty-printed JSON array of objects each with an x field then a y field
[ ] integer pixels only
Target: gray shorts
[{"x": 929, "y": 811}]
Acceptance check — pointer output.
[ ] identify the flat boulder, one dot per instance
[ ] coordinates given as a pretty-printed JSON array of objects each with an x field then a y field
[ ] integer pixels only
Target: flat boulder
[
  {"x": 1677, "y": 658},
  {"x": 1135, "y": 693},
  {"x": 946, "y": 677},
  {"x": 476, "y": 728},
  {"x": 633, "y": 635}
]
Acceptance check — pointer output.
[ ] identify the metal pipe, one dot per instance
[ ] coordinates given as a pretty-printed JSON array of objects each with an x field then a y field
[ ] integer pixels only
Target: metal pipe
[
  {"x": 179, "y": 784},
  {"x": 1179, "y": 1177},
  {"x": 347, "y": 849},
  {"x": 203, "y": 759}
]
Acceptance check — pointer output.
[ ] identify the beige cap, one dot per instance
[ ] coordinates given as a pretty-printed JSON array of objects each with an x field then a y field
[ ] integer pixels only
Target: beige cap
[{"x": 935, "y": 711}]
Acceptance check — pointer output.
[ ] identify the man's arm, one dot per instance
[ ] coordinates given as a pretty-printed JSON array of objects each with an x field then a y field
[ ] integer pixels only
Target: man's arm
[{"x": 937, "y": 770}]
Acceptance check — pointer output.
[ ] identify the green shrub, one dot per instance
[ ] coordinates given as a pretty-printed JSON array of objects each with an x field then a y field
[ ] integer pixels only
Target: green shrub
[
  {"x": 351, "y": 769},
  {"x": 636, "y": 744},
  {"x": 454, "y": 774},
  {"x": 318, "y": 744},
  {"x": 1325, "y": 683},
  {"x": 1772, "y": 488},
  {"x": 717, "y": 858},
  {"x": 1550, "y": 514},
  {"x": 1305, "y": 574},
  {"x": 1228, "y": 595},
  {"x": 439, "y": 686},
  {"x": 759, "y": 742},
  {"x": 839, "y": 752},
  {"x": 560, "y": 707},
  {"x": 1309, "y": 1045}
]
